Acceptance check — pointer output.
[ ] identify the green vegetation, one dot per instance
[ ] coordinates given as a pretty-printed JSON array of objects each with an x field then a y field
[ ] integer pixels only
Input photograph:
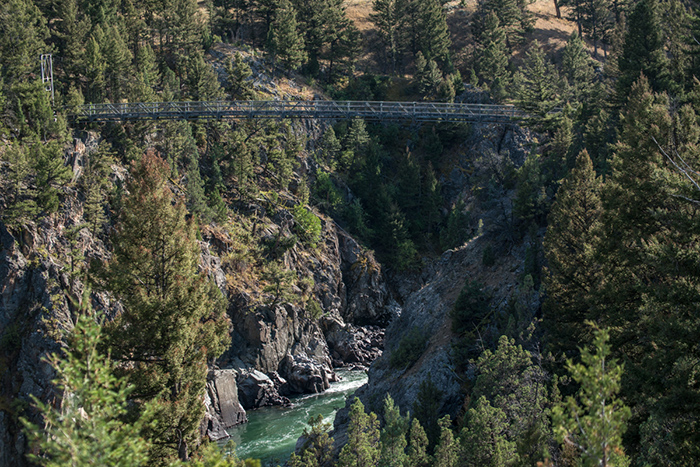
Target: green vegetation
[
  {"x": 597, "y": 214},
  {"x": 409, "y": 350}
]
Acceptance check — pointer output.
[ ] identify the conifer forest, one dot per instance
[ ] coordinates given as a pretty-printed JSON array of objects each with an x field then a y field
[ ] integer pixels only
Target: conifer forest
[{"x": 522, "y": 291}]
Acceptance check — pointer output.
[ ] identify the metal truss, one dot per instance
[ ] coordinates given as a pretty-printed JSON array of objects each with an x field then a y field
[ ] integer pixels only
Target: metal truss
[{"x": 316, "y": 109}]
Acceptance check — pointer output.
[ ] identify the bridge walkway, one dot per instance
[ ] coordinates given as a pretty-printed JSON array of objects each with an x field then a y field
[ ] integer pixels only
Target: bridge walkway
[{"x": 316, "y": 109}]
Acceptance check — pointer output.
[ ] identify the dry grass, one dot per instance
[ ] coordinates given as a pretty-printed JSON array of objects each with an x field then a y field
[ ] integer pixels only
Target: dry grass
[{"x": 551, "y": 32}]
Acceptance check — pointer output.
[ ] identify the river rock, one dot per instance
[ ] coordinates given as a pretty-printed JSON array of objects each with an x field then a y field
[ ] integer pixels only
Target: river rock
[
  {"x": 305, "y": 375},
  {"x": 256, "y": 389},
  {"x": 223, "y": 409},
  {"x": 355, "y": 346}
]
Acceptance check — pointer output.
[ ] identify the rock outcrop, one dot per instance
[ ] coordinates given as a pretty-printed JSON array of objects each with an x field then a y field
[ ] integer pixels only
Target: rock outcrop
[{"x": 223, "y": 409}]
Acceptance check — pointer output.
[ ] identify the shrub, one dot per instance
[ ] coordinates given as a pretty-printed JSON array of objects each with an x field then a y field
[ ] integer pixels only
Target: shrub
[
  {"x": 409, "y": 350},
  {"x": 308, "y": 225}
]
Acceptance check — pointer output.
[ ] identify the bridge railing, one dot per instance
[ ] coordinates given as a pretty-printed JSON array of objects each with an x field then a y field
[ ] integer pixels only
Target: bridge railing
[{"x": 369, "y": 110}]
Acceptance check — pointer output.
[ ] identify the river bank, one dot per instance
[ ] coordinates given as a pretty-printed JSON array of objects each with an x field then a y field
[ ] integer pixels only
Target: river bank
[{"x": 272, "y": 432}]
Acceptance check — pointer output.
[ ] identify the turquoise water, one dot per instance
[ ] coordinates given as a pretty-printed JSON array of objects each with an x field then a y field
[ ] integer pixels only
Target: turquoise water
[{"x": 272, "y": 432}]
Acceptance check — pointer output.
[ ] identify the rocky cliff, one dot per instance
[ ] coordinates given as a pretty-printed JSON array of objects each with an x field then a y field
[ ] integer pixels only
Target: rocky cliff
[
  {"x": 278, "y": 347},
  {"x": 427, "y": 296}
]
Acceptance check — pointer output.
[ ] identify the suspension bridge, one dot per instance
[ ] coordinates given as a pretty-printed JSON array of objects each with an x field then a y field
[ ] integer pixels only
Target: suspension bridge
[{"x": 315, "y": 109}]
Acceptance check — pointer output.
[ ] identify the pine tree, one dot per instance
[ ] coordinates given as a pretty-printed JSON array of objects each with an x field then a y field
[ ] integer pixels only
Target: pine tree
[
  {"x": 286, "y": 42},
  {"x": 94, "y": 182},
  {"x": 88, "y": 428},
  {"x": 23, "y": 35},
  {"x": 341, "y": 38},
  {"x": 393, "y": 436},
  {"x": 21, "y": 202},
  {"x": 238, "y": 73},
  {"x": 573, "y": 273},
  {"x": 202, "y": 82},
  {"x": 51, "y": 172},
  {"x": 643, "y": 51},
  {"x": 447, "y": 451},
  {"x": 512, "y": 382},
  {"x": 434, "y": 38},
  {"x": 513, "y": 17},
  {"x": 537, "y": 86},
  {"x": 72, "y": 33},
  {"x": 387, "y": 17},
  {"x": 317, "y": 450},
  {"x": 118, "y": 59},
  {"x": 95, "y": 68},
  {"x": 484, "y": 438},
  {"x": 363, "y": 448},
  {"x": 418, "y": 446},
  {"x": 425, "y": 409},
  {"x": 492, "y": 58},
  {"x": 594, "y": 424},
  {"x": 148, "y": 75},
  {"x": 173, "y": 320},
  {"x": 649, "y": 297},
  {"x": 577, "y": 68}
]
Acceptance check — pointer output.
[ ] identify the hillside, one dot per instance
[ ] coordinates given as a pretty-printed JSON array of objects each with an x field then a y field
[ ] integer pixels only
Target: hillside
[{"x": 500, "y": 282}]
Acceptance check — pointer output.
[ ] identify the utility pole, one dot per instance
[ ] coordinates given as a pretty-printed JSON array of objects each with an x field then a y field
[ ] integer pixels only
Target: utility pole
[{"x": 47, "y": 74}]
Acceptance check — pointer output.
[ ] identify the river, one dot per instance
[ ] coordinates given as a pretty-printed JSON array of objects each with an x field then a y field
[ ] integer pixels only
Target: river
[{"x": 272, "y": 432}]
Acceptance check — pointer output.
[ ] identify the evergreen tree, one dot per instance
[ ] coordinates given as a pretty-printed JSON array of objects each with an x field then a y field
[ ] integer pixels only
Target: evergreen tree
[
  {"x": 72, "y": 33},
  {"x": 148, "y": 75},
  {"x": 173, "y": 321},
  {"x": 513, "y": 383},
  {"x": 238, "y": 73},
  {"x": 363, "y": 448},
  {"x": 484, "y": 438},
  {"x": 418, "y": 446},
  {"x": 21, "y": 202},
  {"x": 317, "y": 450},
  {"x": 118, "y": 59},
  {"x": 492, "y": 57},
  {"x": 447, "y": 451},
  {"x": 94, "y": 182},
  {"x": 88, "y": 427},
  {"x": 182, "y": 28},
  {"x": 425, "y": 409},
  {"x": 202, "y": 82},
  {"x": 393, "y": 436},
  {"x": 23, "y": 35},
  {"x": 51, "y": 173},
  {"x": 95, "y": 68},
  {"x": 434, "y": 38},
  {"x": 341, "y": 38},
  {"x": 286, "y": 42},
  {"x": 643, "y": 51},
  {"x": 573, "y": 273},
  {"x": 513, "y": 17},
  {"x": 537, "y": 85},
  {"x": 651, "y": 292},
  {"x": 387, "y": 18},
  {"x": 594, "y": 424},
  {"x": 577, "y": 68}
]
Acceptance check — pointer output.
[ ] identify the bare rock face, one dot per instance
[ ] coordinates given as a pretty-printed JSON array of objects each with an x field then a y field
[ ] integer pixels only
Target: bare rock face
[
  {"x": 223, "y": 409},
  {"x": 256, "y": 389},
  {"x": 367, "y": 297},
  {"x": 35, "y": 316}
]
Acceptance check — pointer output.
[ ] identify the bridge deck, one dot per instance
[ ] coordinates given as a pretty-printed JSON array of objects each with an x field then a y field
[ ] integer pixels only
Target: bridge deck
[{"x": 318, "y": 109}]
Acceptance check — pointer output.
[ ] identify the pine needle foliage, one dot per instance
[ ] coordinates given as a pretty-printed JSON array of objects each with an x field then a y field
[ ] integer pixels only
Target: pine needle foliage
[{"x": 173, "y": 319}]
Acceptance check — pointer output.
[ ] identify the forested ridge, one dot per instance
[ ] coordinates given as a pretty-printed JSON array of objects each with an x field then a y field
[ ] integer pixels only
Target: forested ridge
[{"x": 591, "y": 357}]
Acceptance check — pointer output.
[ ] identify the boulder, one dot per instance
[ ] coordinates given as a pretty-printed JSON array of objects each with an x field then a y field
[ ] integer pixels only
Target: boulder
[
  {"x": 305, "y": 375},
  {"x": 256, "y": 389},
  {"x": 223, "y": 409}
]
